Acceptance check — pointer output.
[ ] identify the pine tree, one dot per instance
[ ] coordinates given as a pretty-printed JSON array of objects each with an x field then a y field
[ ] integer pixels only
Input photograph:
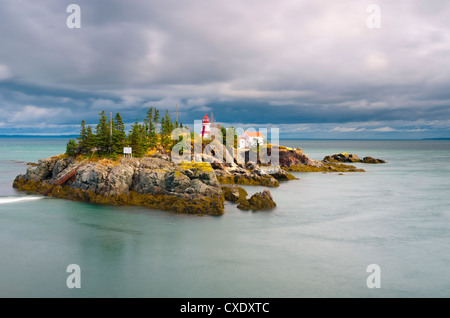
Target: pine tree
[
  {"x": 102, "y": 134},
  {"x": 119, "y": 135}
]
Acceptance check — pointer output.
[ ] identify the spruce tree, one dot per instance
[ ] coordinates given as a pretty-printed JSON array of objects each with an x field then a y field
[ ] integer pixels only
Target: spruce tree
[
  {"x": 119, "y": 135},
  {"x": 231, "y": 137},
  {"x": 135, "y": 139},
  {"x": 166, "y": 130},
  {"x": 83, "y": 138},
  {"x": 71, "y": 147},
  {"x": 156, "y": 119},
  {"x": 102, "y": 134},
  {"x": 224, "y": 135},
  {"x": 150, "y": 129},
  {"x": 91, "y": 140}
]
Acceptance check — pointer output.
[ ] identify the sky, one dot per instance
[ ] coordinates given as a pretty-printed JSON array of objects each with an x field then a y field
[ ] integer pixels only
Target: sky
[{"x": 313, "y": 69}]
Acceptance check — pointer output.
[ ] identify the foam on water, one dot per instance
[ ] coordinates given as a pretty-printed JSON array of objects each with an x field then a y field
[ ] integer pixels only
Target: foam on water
[{"x": 7, "y": 200}]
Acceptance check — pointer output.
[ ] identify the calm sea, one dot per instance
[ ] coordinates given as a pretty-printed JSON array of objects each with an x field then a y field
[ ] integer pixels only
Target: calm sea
[{"x": 318, "y": 242}]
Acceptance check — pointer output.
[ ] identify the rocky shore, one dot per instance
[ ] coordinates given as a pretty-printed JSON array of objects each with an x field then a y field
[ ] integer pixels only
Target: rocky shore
[
  {"x": 154, "y": 182},
  {"x": 157, "y": 182},
  {"x": 151, "y": 182},
  {"x": 346, "y": 157}
]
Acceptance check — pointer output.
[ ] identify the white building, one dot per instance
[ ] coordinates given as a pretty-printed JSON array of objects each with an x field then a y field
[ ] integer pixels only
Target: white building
[{"x": 250, "y": 139}]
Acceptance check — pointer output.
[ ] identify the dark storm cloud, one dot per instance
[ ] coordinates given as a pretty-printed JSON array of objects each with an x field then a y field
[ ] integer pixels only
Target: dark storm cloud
[{"x": 278, "y": 62}]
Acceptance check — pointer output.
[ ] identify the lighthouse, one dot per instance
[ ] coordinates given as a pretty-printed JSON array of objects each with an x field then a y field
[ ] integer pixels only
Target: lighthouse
[{"x": 206, "y": 127}]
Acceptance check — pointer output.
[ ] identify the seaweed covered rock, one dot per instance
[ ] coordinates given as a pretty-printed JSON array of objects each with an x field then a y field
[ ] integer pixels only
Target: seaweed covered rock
[
  {"x": 342, "y": 157},
  {"x": 345, "y": 157},
  {"x": 325, "y": 167},
  {"x": 234, "y": 193},
  {"x": 372, "y": 160},
  {"x": 279, "y": 173},
  {"x": 258, "y": 201},
  {"x": 151, "y": 182},
  {"x": 240, "y": 175}
]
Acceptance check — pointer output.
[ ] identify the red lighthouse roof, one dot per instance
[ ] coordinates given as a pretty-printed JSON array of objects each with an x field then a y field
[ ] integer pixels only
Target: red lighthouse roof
[{"x": 206, "y": 119}]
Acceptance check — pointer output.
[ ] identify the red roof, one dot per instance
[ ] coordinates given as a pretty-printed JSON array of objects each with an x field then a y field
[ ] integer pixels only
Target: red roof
[{"x": 254, "y": 134}]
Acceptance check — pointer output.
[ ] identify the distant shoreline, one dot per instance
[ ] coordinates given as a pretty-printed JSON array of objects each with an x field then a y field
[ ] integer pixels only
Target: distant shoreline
[{"x": 387, "y": 139}]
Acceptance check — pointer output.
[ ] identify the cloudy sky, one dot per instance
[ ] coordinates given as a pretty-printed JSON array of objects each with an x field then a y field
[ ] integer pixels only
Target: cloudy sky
[{"x": 312, "y": 68}]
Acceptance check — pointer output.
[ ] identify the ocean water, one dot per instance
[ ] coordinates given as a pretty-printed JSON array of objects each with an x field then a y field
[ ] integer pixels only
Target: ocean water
[{"x": 318, "y": 242}]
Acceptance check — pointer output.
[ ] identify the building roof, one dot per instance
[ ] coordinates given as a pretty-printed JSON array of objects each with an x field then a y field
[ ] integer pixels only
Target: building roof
[{"x": 254, "y": 134}]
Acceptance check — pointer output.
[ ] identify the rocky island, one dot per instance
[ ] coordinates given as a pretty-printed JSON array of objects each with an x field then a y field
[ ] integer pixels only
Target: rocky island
[
  {"x": 93, "y": 170},
  {"x": 157, "y": 182}
]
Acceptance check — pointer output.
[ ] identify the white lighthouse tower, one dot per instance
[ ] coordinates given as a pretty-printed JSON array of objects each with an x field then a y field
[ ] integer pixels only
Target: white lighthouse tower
[{"x": 206, "y": 127}]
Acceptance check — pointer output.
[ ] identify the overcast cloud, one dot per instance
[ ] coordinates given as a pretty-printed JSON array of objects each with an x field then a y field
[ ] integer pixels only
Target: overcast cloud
[{"x": 312, "y": 68}]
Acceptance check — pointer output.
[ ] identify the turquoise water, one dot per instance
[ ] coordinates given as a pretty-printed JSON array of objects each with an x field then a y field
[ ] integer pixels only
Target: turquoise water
[{"x": 318, "y": 242}]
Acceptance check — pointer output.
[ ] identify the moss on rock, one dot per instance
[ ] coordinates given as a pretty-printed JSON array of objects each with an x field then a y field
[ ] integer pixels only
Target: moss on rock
[
  {"x": 267, "y": 180},
  {"x": 234, "y": 193},
  {"x": 328, "y": 167},
  {"x": 202, "y": 205},
  {"x": 258, "y": 201}
]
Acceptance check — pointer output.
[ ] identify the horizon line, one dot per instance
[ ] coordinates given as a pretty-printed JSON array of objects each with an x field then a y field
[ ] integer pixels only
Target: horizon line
[{"x": 287, "y": 138}]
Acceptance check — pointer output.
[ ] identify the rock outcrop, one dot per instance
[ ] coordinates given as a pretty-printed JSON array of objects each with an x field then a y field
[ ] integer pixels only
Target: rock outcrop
[
  {"x": 152, "y": 182},
  {"x": 372, "y": 160},
  {"x": 346, "y": 157},
  {"x": 234, "y": 193},
  {"x": 252, "y": 174},
  {"x": 258, "y": 201}
]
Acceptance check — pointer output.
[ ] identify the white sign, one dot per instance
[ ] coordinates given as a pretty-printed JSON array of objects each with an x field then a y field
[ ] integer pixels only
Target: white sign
[{"x": 127, "y": 150}]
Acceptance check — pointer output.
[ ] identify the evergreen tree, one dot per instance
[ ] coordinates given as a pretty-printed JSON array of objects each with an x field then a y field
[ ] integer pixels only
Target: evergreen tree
[
  {"x": 156, "y": 119},
  {"x": 231, "y": 136},
  {"x": 135, "y": 140},
  {"x": 103, "y": 134},
  {"x": 83, "y": 138},
  {"x": 91, "y": 140},
  {"x": 148, "y": 120},
  {"x": 166, "y": 130},
  {"x": 71, "y": 147},
  {"x": 119, "y": 135},
  {"x": 150, "y": 129},
  {"x": 224, "y": 135}
]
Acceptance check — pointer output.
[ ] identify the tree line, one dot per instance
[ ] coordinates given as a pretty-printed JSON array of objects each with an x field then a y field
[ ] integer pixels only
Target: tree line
[{"x": 110, "y": 137}]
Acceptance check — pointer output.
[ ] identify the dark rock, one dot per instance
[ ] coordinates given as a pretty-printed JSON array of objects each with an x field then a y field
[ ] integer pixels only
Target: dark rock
[
  {"x": 372, "y": 160},
  {"x": 342, "y": 157},
  {"x": 152, "y": 182},
  {"x": 234, "y": 193},
  {"x": 280, "y": 174},
  {"x": 258, "y": 201}
]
